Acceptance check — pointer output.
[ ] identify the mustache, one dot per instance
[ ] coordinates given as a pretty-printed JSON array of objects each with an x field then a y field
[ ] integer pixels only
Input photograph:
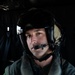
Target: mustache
[{"x": 39, "y": 46}]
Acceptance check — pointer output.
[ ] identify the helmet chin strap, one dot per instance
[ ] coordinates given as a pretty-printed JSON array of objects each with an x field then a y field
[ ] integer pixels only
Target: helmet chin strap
[{"x": 44, "y": 57}]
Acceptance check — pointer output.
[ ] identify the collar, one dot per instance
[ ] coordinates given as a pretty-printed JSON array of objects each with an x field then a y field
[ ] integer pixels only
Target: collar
[{"x": 26, "y": 67}]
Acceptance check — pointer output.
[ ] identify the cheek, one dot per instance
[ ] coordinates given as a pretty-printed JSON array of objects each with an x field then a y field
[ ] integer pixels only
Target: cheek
[
  {"x": 29, "y": 44},
  {"x": 43, "y": 39},
  {"x": 28, "y": 40}
]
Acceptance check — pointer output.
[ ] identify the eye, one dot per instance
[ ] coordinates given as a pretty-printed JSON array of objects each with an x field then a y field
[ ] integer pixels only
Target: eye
[
  {"x": 38, "y": 34},
  {"x": 28, "y": 36}
]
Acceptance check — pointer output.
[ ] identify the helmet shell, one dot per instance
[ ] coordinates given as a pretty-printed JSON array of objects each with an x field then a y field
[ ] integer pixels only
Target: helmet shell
[{"x": 38, "y": 18}]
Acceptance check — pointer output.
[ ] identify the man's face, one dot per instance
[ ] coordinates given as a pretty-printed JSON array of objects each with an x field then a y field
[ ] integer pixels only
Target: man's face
[{"x": 36, "y": 37}]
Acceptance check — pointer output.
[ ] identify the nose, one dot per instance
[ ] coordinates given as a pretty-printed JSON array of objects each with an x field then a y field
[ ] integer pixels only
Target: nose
[{"x": 34, "y": 39}]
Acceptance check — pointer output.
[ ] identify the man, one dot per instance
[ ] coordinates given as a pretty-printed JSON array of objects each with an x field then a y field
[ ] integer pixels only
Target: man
[{"x": 41, "y": 39}]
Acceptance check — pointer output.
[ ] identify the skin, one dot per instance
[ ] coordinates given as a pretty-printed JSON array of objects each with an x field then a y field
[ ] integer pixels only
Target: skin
[{"x": 37, "y": 37}]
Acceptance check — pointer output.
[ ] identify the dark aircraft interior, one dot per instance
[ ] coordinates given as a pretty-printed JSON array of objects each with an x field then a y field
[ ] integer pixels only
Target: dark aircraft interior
[{"x": 10, "y": 46}]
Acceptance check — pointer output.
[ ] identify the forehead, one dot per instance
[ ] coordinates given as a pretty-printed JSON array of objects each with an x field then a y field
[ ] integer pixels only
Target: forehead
[{"x": 35, "y": 30}]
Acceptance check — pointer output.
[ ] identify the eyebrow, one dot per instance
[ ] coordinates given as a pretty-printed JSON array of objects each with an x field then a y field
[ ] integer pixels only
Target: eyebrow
[{"x": 36, "y": 30}]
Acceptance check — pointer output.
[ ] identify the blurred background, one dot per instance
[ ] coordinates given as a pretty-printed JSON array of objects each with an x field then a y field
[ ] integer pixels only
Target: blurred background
[{"x": 10, "y": 10}]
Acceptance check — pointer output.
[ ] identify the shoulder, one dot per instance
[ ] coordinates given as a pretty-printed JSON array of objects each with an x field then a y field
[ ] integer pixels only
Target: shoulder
[
  {"x": 68, "y": 68},
  {"x": 14, "y": 68}
]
